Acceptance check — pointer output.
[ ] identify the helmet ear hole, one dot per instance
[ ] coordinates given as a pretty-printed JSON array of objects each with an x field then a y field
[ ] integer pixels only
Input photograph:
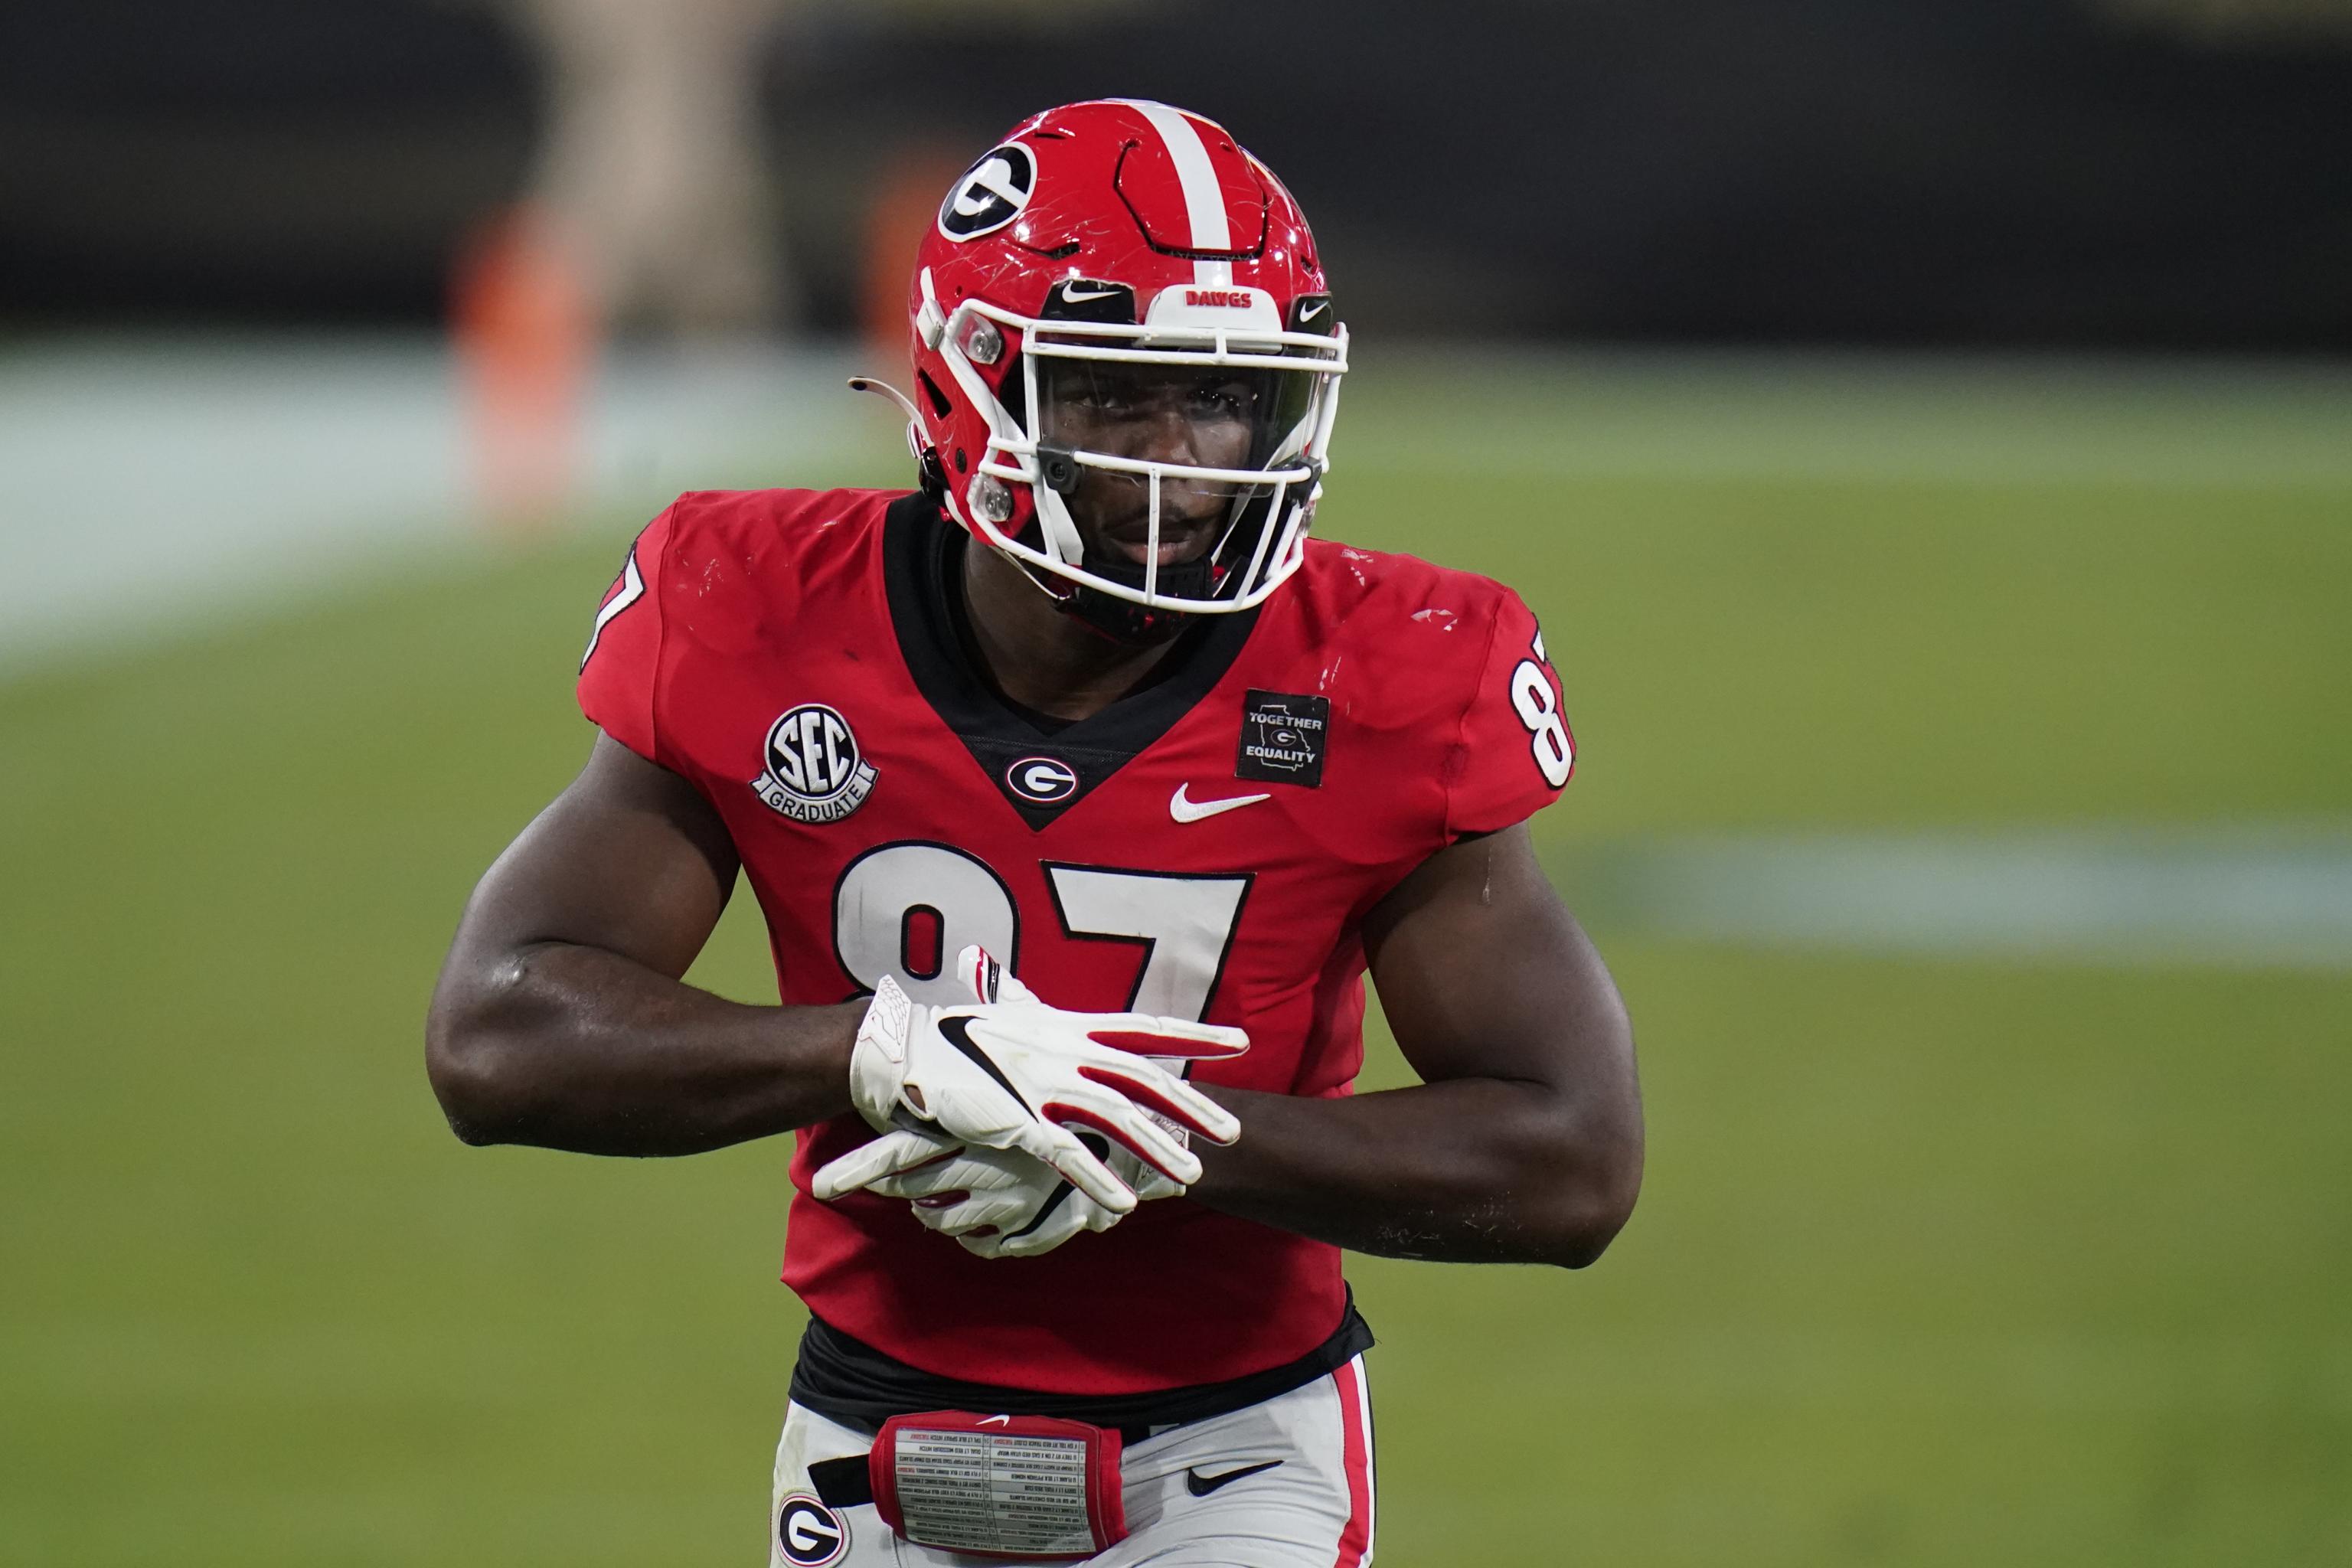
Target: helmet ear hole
[
  {"x": 940, "y": 406},
  {"x": 963, "y": 464}
]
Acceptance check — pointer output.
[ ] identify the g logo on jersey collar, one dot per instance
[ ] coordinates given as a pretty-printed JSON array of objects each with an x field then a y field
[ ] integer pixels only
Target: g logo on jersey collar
[
  {"x": 1045, "y": 780},
  {"x": 992, "y": 193}
]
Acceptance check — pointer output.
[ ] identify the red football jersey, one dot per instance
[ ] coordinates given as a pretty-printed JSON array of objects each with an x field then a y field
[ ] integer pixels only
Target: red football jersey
[{"x": 1205, "y": 848}]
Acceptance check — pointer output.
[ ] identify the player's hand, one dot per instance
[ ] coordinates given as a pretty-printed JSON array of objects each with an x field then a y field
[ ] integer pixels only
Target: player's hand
[
  {"x": 1005, "y": 1071},
  {"x": 1000, "y": 1202}
]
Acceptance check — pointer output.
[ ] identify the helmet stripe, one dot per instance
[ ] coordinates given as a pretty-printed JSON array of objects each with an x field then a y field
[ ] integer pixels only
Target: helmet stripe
[{"x": 1204, "y": 198}]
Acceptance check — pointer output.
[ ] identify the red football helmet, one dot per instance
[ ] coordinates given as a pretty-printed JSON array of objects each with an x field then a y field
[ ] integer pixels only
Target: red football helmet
[{"x": 1094, "y": 240}]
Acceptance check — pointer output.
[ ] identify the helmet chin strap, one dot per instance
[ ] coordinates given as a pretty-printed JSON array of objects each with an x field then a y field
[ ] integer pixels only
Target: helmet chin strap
[
  {"x": 1105, "y": 615},
  {"x": 1133, "y": 625}
]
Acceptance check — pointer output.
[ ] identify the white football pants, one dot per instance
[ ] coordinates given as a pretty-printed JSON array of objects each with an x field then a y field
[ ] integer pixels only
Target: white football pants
[{"x": 1312, "y": 1509}]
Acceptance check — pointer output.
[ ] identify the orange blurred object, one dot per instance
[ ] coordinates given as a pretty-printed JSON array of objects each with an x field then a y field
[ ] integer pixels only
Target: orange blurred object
[
  {"x": 905, "y": 197},
  {"x": 524, "y": 326}
]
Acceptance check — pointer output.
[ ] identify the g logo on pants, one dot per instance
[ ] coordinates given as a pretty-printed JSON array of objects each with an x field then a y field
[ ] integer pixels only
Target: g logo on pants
[{"x": 808, "y": 1533}]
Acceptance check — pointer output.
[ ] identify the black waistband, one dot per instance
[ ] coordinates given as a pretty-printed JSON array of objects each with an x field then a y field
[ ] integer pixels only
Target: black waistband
[{"x": 848, "y": 1380}]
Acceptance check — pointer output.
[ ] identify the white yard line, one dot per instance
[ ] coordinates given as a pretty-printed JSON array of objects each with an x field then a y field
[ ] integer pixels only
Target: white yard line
[
  {"x": 2231, "y": 896},
  {"x": 149, "y": 485}
]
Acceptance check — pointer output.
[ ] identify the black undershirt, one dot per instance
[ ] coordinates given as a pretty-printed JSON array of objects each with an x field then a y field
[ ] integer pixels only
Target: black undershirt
[{"x": 847, "y": 1380}]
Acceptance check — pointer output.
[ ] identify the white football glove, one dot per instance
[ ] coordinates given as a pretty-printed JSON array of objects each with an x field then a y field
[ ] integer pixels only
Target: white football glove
[
  {"x": 1002, "y": 1203},
  {"x": 1007, "y": 1072}
]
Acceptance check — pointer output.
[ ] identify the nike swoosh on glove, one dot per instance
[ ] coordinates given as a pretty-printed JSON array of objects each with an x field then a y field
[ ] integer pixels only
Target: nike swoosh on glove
[
  {"x": 1000, "y": 1203},
  {"x": 1007, "y": 1072}
]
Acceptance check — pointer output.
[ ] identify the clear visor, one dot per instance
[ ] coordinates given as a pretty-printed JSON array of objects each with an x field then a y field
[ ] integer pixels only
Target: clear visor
[
  {"x": 1172, "y": 468},
  {"x": 1159, "y": 464}
]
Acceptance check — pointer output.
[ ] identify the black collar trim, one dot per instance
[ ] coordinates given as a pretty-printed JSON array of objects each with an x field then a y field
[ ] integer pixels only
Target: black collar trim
[{"x": 999, "y": 738}]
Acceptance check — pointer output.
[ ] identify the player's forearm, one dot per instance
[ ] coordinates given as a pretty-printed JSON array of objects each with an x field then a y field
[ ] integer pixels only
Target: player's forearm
[
  {"x": 575, "y": 1048},
  {"x": 1472, "y": 1171}
]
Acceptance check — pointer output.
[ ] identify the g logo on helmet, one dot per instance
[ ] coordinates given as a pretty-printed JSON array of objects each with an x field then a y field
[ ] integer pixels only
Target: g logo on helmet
[
  {"x": 808, "y": 1533},
  {"x": 815, "y": 772},
  {"x": 992, "y": 193},
  {"x": 1042, "y": 779}
]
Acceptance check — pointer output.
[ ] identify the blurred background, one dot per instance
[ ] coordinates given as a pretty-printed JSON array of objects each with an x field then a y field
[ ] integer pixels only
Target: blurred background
[{"x": 1926, "y": 431}]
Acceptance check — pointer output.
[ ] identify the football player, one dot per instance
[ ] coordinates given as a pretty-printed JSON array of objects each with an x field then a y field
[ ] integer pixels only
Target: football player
[{"x": 1080, "y": 788}]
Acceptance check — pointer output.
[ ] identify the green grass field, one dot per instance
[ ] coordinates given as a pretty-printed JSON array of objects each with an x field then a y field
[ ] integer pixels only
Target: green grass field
[{"x": 1939, "y": 1262}]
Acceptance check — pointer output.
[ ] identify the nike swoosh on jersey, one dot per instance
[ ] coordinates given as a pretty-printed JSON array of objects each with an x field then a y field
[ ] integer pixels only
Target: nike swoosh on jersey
[
  {"x": 1184, "y": 809},
  {"x": 1200, "y": 1485}
]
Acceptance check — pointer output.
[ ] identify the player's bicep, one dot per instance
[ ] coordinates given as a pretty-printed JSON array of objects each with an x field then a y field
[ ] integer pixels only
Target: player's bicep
[
  {"x": 1482, "y": 972},
  {"x": 630, "y": 859}
]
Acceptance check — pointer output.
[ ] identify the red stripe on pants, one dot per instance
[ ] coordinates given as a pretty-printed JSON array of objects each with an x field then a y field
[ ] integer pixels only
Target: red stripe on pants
[{"x": 1356, "y": 1540}]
